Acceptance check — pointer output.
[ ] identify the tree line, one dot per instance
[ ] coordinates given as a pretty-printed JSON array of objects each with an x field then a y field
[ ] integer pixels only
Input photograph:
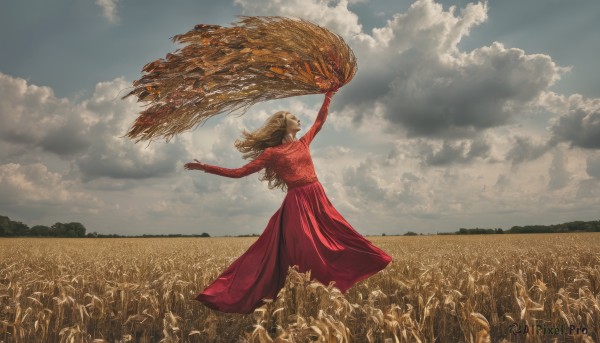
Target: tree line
[
  {"x": 575, "y": 226},
  {"x": 10, "y": 228}
]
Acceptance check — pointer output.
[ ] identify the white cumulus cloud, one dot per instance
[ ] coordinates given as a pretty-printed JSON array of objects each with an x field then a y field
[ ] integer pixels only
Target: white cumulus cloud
[{"x": 109, "y": 9}]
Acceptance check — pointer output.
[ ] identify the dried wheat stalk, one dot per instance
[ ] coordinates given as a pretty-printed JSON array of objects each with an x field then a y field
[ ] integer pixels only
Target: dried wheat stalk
[{"x": 224, "y": 69}]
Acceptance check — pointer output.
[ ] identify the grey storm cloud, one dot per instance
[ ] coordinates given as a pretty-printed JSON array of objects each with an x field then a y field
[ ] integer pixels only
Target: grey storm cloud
[
  {"x": 363, "y": 181},
  {"x": 102, "y": 161},
  {"x": 461, "y": 152},
  {"x": 34, "y": 191},
  {"x": 32, "y": 116},
  {"x": 413, "y": 69},
  {"x": 580, "y": 127},
  {"x": 367, "y": 184},
  {"x": 89, "y": 133},
  {"x": 432, "y": 152},
  {"x": 593, "y": 166},
  {"x": 484, "y": 89},
  {"x": 114, "y": 156},
  {"x": 67, "y": 139},
  {"x": 524, "y": 149}
]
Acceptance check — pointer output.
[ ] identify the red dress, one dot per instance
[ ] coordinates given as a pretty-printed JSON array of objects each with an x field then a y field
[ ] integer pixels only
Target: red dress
[{"x": 306, "y": 231}]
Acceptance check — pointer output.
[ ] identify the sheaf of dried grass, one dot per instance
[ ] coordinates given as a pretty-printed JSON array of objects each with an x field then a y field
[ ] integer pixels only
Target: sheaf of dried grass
[{"x": 224, "y": 69}]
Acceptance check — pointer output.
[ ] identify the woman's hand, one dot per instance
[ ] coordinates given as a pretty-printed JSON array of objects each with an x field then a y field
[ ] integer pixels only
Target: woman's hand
[{"x": 194, "y": 165}]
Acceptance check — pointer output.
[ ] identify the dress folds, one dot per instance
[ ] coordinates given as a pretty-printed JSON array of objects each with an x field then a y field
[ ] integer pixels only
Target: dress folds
[{"x": 306, "y": 231}]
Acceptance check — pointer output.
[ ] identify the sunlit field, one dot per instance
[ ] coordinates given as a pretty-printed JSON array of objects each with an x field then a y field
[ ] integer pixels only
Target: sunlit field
[{"x": 487, "y": 288}]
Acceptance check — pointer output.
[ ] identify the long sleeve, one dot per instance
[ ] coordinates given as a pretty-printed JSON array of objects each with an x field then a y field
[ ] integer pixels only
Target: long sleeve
[
  {"x": 255, "y": 165},
  {"x": 316, "y": 127}
]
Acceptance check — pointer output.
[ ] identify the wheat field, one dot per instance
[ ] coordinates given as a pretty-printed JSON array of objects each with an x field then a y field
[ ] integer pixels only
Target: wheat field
[{"x": 487, "y": 288}]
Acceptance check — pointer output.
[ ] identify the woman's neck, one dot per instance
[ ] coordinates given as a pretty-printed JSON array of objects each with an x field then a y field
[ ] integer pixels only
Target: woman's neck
[{"x": 289, "y": 138}]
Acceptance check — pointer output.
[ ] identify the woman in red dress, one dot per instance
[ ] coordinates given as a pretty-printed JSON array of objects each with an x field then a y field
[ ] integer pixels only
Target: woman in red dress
[{"x": 306, "y": 231}]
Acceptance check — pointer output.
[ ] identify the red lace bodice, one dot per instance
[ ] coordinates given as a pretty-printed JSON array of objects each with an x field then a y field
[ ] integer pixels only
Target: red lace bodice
[{"x": 291, "y": 161}]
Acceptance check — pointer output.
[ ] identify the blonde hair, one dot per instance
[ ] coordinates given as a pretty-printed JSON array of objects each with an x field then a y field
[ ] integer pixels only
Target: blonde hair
[{"x": 269, "y": 135}]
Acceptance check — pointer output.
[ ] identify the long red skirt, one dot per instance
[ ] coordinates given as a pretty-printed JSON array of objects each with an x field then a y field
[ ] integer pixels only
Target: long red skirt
[{"x": 306, "y": 231}]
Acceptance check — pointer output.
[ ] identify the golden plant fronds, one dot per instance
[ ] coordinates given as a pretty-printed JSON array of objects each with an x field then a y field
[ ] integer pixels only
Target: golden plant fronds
[{"x": 225, "y": 69}]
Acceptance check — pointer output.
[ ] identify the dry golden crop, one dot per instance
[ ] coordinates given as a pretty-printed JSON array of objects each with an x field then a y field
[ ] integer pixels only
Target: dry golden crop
[{"x": 438, "y": 288}]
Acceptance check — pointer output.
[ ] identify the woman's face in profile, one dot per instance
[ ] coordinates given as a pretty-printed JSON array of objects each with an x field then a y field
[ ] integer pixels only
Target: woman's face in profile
[{"x": 293, "y": 123}]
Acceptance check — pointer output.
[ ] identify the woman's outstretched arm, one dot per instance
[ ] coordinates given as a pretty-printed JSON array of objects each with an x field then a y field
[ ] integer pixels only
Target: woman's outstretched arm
[
  {"x": 316, "y": 127},
  {"x": 255, "y": 165}
]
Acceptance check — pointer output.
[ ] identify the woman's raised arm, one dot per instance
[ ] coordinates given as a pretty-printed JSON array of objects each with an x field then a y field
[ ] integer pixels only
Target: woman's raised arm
[
  {"x": 255, "y": 165},
  {"x": 316, "y": 127}
]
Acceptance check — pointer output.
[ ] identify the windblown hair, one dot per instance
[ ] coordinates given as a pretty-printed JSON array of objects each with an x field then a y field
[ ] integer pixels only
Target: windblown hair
[{"x": 269, "y": 135}]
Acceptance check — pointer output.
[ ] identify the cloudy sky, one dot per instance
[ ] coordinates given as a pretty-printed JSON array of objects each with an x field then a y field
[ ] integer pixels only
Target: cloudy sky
[{"x": 462, "y": 114}]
